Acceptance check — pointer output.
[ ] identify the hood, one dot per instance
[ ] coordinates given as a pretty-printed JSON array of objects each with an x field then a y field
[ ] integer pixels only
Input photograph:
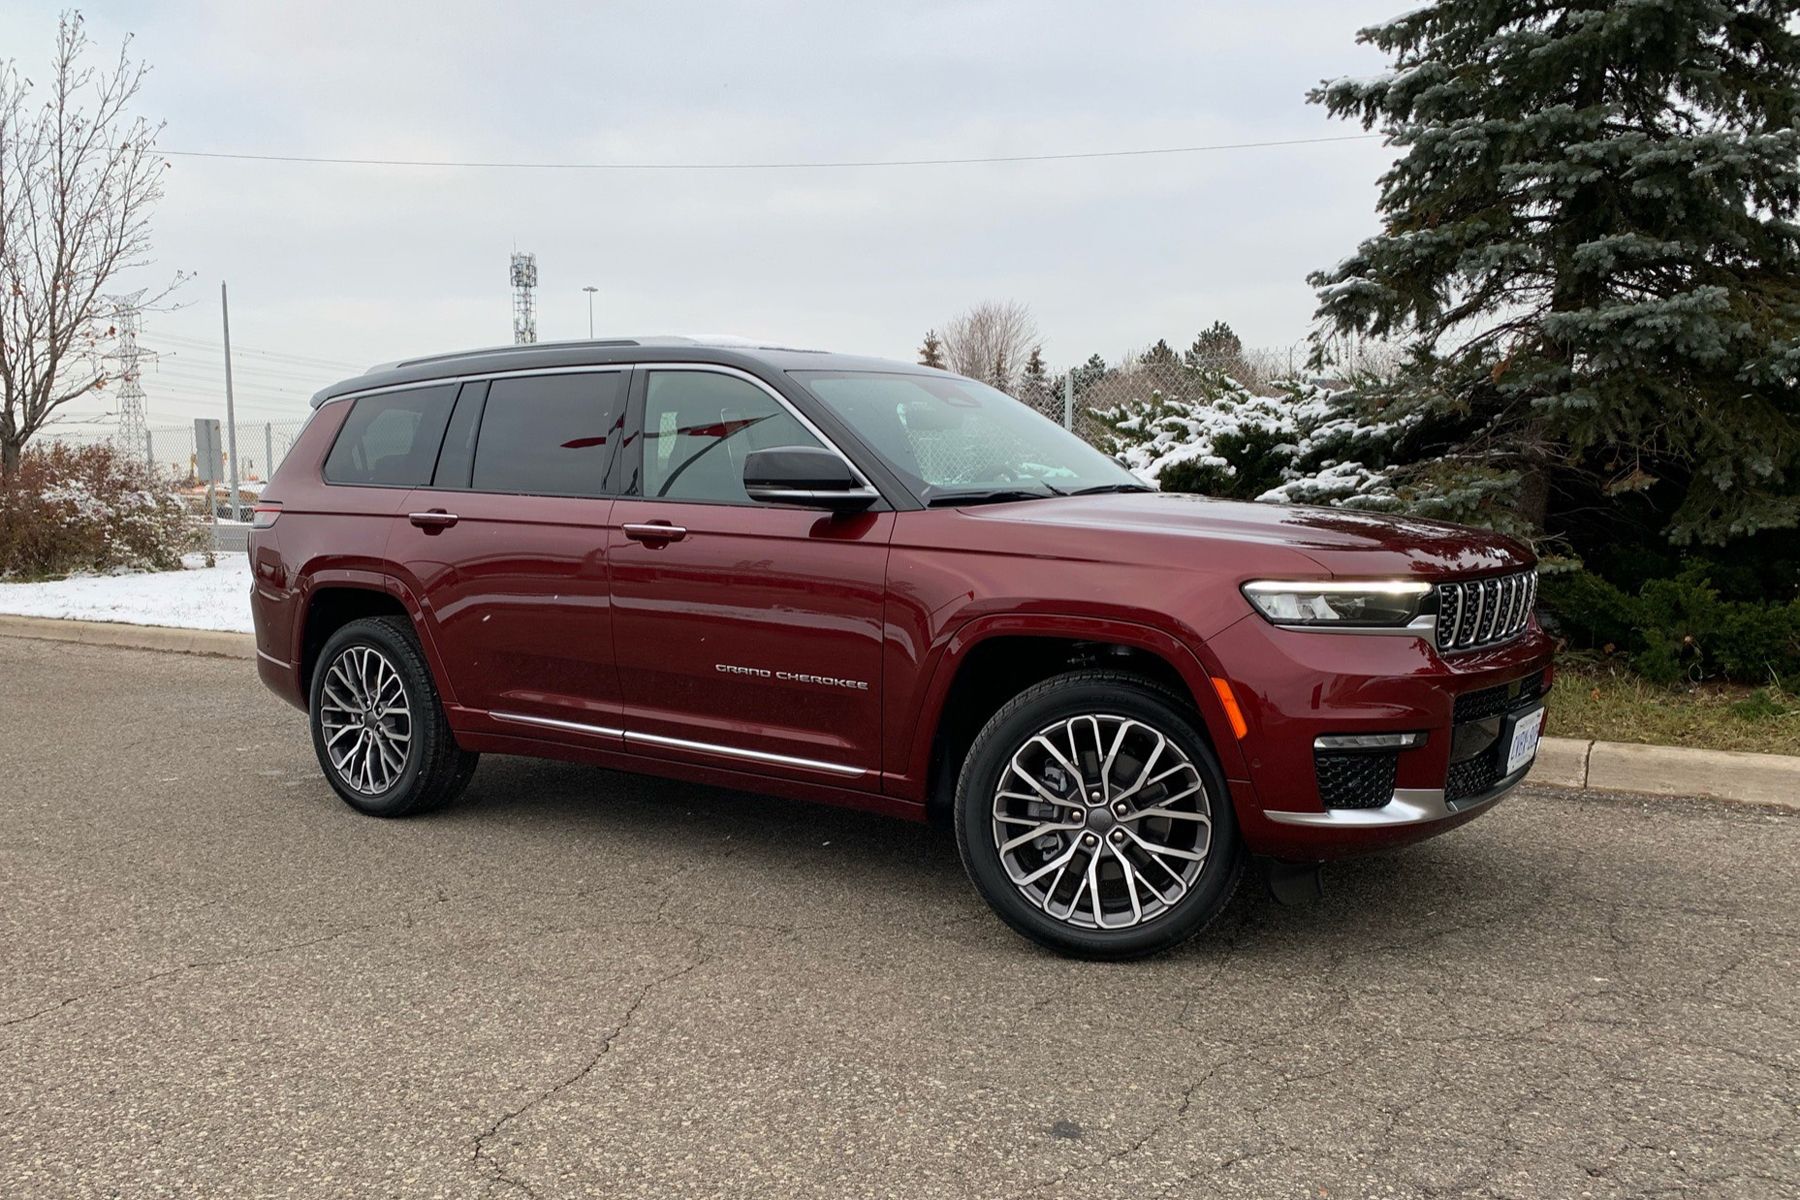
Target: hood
[{"x": 1344, "y": 542}]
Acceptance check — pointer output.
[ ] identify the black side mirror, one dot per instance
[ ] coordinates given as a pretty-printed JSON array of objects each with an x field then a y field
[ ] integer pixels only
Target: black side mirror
[{"x": 808, "y": 476}]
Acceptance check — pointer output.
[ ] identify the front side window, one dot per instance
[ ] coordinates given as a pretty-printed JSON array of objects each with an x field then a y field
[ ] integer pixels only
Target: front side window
[
  {"x": 549, "y": 435},
  {"x": 699, "y": 425},
  {"x": 949, "y": 438},
  {"x": 391, "y": 439}
]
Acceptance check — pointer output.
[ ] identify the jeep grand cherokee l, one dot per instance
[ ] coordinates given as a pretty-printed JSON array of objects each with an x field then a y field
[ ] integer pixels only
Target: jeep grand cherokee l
[{"x": 879, "y": 585}]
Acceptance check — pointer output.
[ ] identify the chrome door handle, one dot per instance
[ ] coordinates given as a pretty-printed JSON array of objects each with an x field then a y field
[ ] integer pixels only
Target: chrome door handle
[
  {"x": 654, "y": 533},
  {"x": 435, "y": 520}
]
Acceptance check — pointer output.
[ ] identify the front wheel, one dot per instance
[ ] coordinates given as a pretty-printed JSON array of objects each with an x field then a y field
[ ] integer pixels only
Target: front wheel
[
  {"x": 1093, "y": 817},
  {"x": 377, "y": 725}
]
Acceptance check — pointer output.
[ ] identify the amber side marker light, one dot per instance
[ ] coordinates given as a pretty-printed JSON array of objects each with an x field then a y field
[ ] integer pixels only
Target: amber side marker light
[{"x": 1233, "y": 713}]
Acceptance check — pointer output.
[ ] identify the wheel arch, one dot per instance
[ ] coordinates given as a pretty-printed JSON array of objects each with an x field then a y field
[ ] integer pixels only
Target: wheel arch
[
  {"x": 333, "y": 598},
  {"x": 988, "y": 661}
]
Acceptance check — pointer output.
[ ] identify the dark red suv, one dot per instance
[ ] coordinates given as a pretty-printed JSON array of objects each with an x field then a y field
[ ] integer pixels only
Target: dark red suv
[{"x": 875, "y": 584}]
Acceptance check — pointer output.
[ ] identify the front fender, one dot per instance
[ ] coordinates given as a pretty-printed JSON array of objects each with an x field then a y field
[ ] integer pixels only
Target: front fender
[{"x": 1195, "y": 665}]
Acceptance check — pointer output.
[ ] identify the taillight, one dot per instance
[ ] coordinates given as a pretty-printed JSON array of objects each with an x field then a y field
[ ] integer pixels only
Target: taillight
[{"x": 263, "y": 515}]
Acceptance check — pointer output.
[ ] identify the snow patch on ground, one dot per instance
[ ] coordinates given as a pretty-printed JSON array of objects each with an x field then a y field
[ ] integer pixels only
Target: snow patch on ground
[{"x": 195, "y": 597}]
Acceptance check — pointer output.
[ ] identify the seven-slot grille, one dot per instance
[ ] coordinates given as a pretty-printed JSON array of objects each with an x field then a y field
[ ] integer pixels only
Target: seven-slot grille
[{"x": 1481, "y": 612}]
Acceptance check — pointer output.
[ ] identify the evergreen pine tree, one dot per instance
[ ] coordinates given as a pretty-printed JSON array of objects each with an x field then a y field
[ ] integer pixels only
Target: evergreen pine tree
[
  {"x": 1592, "y": 225},
  {"x": 1035, "y": 373},
  {"x": 1215, "y": 348},
  {"x": 1089, "y": 373},
  {"x": 931, "y": 354},
  {"x": 1160, "y": 355}
]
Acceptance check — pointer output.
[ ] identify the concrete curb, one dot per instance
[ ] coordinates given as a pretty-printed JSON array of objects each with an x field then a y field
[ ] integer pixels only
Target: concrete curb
[
  {"x": 140, "y": 637},
  {"x": 1669, "y": 771},
  {"x": 1561, "y": 762}
]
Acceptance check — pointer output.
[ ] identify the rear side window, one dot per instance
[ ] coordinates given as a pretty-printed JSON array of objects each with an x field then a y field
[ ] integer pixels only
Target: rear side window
[
  {"x": 391, "y": 439},
  {"x": 550, "y": 435}
]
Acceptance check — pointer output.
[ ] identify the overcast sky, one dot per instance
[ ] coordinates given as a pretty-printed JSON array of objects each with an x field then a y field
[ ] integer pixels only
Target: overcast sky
[{"x": 353, "y": 265}]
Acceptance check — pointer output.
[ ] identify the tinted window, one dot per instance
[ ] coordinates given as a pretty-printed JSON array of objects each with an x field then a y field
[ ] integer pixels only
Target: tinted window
[
  {"x": 946, "y": 435},
  {"x": 391, "y": 439},
  {"x": 549, "y": 435},
  {"x": 697, "y": 428},
  {"x": 457, "y": 459}
]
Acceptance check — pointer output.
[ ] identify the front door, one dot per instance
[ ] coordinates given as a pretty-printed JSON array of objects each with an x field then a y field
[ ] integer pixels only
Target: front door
[
  {"x": 748, "y": 635},
  {"x": 507, "y": 549}
]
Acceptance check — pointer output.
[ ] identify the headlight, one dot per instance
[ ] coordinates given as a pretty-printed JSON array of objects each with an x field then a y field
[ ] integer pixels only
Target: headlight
[{"x": 1348, "y": 603}]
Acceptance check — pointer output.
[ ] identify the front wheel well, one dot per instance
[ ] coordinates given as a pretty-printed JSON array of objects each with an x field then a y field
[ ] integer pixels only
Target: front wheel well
[
  {"x": 328, "y": 610},
  {"x": 996, "y": 670}
]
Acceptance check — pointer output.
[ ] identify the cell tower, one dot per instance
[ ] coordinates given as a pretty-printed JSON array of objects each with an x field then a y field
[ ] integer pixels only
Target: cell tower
[
  {"x": 524, "y": 285},
  {"x": 131, "y": 388}
]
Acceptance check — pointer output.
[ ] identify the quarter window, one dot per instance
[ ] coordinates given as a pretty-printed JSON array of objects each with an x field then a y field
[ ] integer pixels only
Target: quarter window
[
  {"x": 699, "y": 425},
  {"x": 391, "y": 439},
  {"x": 549, "y": 435}
]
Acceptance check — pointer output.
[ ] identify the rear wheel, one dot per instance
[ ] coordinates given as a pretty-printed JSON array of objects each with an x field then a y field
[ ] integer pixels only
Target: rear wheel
[
  {"x": 1092, "y": 816},
  {"x": 378, "y": 727}
]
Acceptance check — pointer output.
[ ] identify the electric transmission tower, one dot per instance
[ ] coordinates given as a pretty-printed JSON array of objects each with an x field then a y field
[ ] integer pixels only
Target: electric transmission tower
[
  {"x": 524, "y": 285},
  {"x": 131, "y": 386}
]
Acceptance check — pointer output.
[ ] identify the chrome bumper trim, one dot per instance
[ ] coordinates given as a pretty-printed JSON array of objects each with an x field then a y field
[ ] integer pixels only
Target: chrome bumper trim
[{"x": 1410, "y": 806}]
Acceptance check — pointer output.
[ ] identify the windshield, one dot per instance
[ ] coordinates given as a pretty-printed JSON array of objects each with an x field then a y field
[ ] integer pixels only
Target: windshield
[{"x": 950, "y": 438}]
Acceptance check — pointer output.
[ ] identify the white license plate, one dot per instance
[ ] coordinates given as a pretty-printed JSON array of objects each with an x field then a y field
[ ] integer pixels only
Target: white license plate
[{"x": 1525, "y": 741}]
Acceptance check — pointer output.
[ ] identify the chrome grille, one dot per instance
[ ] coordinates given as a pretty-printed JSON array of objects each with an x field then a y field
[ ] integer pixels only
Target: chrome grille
[{"x": 1480, "y": 612}]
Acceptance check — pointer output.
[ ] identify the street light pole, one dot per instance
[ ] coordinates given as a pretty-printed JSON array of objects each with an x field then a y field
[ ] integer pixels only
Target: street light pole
[{"x": 590, "y": 290}]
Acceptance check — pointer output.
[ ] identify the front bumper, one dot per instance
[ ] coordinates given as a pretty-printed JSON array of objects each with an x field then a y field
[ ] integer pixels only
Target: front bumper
[
  {"x": 1295, "y": 686},
  {"x": 1409, "y": 806}
]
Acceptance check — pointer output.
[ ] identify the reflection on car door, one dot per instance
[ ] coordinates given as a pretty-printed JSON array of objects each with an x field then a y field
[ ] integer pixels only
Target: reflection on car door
[
  {"x": 748, "y": 635},
  {"x": 508, "y": 550}
]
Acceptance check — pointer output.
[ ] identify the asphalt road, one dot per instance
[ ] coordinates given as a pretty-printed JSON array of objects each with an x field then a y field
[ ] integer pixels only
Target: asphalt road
[{"x": 216, "y": 980}]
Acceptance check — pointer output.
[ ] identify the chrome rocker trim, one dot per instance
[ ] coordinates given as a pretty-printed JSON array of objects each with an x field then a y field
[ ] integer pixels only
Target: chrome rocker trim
[
  {"x": 632, "y": 738},
  {"x": 1410, "y": 806}
]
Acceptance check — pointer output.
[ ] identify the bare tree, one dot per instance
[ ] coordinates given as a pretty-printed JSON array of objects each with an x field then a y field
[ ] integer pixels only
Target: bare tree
[
  {"x": 990, "y": 342},
  {"x": 78, "y": 179}
]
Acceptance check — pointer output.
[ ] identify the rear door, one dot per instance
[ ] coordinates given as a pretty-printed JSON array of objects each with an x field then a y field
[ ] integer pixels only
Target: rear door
[
  {"x": 508, "y": 551},
  {"x": 749, "y": 635}
]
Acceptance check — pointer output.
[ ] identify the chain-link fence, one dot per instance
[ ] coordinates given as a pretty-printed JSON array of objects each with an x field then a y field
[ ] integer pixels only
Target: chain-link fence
[{"x": 1092, "y": 401}]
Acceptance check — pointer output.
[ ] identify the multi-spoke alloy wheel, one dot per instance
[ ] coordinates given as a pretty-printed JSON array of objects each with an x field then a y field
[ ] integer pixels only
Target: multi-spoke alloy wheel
[
  {"x": 378, "y": 727},
  {"x": 1101, "y": 821},
  {"x": 1092, "y": 815},
  {"x": 367, "y": 721}
]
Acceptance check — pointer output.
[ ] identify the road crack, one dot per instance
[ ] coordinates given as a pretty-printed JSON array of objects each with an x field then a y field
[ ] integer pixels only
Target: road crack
[{"x": 484, "y": 1159}]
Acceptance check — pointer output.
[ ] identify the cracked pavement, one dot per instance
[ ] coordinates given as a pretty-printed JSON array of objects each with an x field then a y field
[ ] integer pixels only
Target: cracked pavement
[{"x": 216, "y": 979}]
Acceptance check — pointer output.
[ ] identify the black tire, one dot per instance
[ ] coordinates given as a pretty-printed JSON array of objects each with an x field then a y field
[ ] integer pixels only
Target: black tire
[
  {"x": 1150, "y": 710},
  {"x": 435, "y": 769}
]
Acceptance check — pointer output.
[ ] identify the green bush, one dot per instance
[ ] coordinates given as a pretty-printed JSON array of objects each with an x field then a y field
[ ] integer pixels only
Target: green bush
[
  {"x": 88, "y": 509},
  {"x": 1679, "y": 627}
]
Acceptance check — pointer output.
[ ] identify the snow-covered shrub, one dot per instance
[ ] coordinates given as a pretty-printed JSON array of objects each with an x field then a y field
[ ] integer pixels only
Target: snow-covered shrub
[
  {"x": 88, "y": 509},
  {"x": 1305, "y": 444}
]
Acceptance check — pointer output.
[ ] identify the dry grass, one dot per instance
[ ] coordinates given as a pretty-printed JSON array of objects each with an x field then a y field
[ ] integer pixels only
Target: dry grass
[{"x": 1608, "y": 703}]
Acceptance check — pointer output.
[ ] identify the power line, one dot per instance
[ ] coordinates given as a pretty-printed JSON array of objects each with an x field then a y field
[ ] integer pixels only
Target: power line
[
  {"x": 322, "y": 160},
  {"x": 307, "y": 360}
]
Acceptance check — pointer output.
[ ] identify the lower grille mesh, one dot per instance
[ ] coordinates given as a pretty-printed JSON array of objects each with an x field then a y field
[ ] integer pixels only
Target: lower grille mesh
[
  {"x": 1471, "y": 777},
  {"x": 1491, "y": 702},
  {"x": 1359, "y": 780}
]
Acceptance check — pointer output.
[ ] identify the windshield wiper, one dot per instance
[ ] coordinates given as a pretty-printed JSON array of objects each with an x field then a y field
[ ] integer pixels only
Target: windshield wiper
[
  {"x": 989, "y": 496},
  {"x": 1098, "y": 489}
]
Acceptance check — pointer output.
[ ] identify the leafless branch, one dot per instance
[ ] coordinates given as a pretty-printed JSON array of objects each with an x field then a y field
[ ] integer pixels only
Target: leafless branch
[
  {"x": 79, "y": 178},
  {"x": 991, "y": 342}
]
